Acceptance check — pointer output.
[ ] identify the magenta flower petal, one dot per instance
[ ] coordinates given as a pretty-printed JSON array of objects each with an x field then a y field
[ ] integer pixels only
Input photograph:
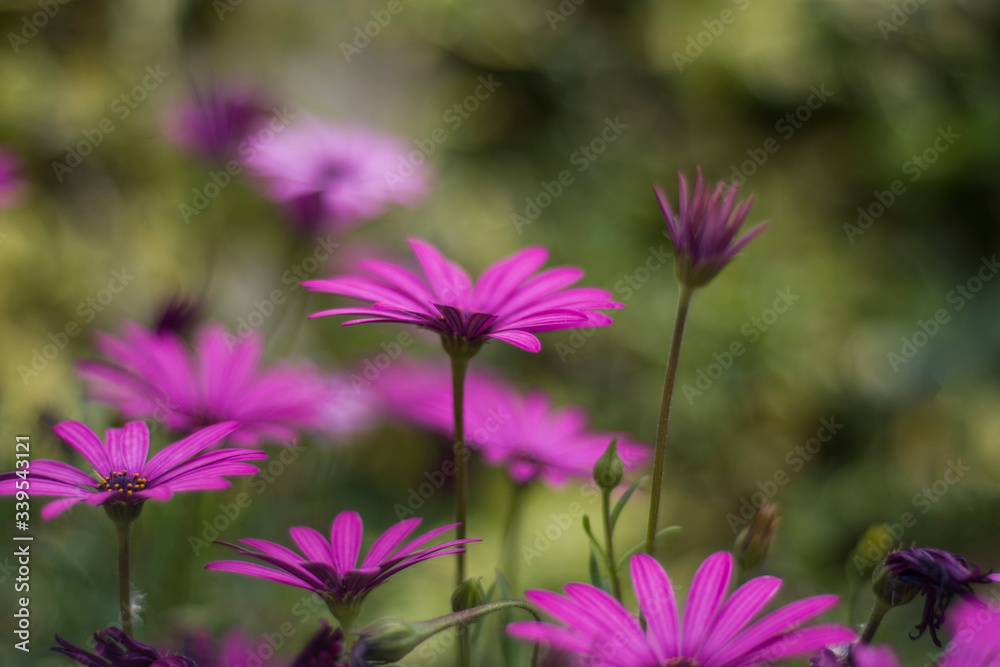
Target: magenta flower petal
[
  {"x": 313, "y": 544},
  {"x": 596, "y": 626},
  {"x": 345, "y": 539},
  {"x": 656, "y": 600},
  {"x": 708, "y": 590},
  {"x": 123, "y": 474},
  {"x": 507, "y": 303}
]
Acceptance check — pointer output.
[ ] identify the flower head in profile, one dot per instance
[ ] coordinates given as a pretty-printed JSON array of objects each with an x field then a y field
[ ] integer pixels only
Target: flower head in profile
[
  {"x": 704, "y": 228},
  {"x": 124, "y": 476},
  {"x": 509, "y": 302},
  {"x": 714, "y": 631},
  {"x": 215, "y": 123},
  {"x": 114, "y": 648},
  {"x": 10, "y": 179},
  {"x": 331, "y": 567},
  {"x": 336, "y": 176},
  {"x": 523, "y": 432},
  {"x": 936, "y": 574},
  {"x": 154, "y": 375}
]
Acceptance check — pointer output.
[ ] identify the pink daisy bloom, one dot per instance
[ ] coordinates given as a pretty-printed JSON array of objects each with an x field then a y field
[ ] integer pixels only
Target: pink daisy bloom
[
  {"x": 713, "y": 633},
  {"x": 336, "y": 175},
  {"x": 525, "y": 433},
  {"x": 124, "y": 473},
  {"x": 331, "y": 568},
  {"x": 154, "y": 375},
  {"x": 704, "y": 227},
  {"x": 509, "y": 302}
]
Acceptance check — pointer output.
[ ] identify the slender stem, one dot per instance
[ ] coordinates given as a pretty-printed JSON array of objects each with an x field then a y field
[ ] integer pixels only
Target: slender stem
[
  {"x": 616, "y": 584},
  {"x": 459, "y": 365},
  {"x": 123, "y": 531},
  {"x": 511, "y": 532},
  {"x": 878, "y": 613},
  {"x": 458, "y": 368},
  {"x": 683, "y": 301}
]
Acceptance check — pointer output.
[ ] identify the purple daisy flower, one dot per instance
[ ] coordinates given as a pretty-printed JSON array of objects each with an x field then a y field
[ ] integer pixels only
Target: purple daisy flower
[
  {"x": 215, "y": 124},
  {"x": 114, "y": 648},
  {"x": 124, "y": 476},
  {"x": 507, "y": 303},
  {"x": 335, "y": 175},
  {"x": 704, "y": 228},
  {"x": 10, "y": 179},
  {"x": 714, "y": 632},
  {"x": 330, "y": 567},
  {"x": 525, "y": 433},
  {"x": 939, "y": 576},
  {"x": 153, "y": 375}
]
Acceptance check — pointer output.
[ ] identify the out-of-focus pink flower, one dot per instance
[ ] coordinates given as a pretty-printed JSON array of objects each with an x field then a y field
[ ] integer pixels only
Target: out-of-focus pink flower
[
  {"x": 11, "y": 182},
  {"x": 215, "y": 124},
  {"x": 155, "y": 375},
  {"x": 336, "y": 175},
  {"x": 524, "y": 433}
]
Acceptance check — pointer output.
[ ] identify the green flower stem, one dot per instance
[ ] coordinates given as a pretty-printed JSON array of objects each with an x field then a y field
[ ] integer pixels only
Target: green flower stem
[
  {"x": 511, "y": 532},
  {"x": 878, "y": 613},
  {"x": 459, "y": 366},
  {"x": 616, "y": 584},
  {"x": 683, "y": 302},
  {"x": 123, "y": 531}
]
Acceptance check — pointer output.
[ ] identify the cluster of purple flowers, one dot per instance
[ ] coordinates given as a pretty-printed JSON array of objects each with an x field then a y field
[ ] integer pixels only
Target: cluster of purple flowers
[{"x": 224, "y": 403}]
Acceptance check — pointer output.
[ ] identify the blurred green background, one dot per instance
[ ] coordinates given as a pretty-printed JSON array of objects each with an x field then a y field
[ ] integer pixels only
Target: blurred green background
[{"x": 725, "y": 85}]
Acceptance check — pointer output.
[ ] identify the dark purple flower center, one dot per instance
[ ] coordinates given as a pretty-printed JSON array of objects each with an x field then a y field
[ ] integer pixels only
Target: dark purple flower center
[
  {"x": 122, "y": 482},
  {"x": 682, "y": 662},
  {"x": 467, "y": 325},
  {"x": 331, "y": 174}
]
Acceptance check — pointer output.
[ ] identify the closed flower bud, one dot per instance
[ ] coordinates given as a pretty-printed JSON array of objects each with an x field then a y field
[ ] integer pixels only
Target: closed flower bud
[
  {"x": 609, "y": 469},
  {"x": 470, "y": 594},
  {"x": 871, "y": 550},
  {"x": 391, "y": 639},
  {"x": 754, "y": 540}
]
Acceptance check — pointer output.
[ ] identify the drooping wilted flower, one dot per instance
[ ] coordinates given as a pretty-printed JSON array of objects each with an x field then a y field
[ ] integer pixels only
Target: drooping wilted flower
[
  {"x": 114, "y": 648},
  {"x": 509, "y": 302},
  {"x": 215, "y": 123},
  {"x": 936, "y": 574},
  {"x": 124, "y": 475},
  {"x": 330, "y": 567},
  {"x": 335, "y": 176},
  {"x": 525, "y": 433},
  {"x": 325, "y": 649},
  {"x": 714, "y": 632},
  {"x": 704, "y": 228},
  {"x": 154, "y": 375}
]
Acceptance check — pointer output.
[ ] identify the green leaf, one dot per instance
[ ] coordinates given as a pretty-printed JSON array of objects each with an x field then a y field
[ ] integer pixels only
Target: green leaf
[
  {"x": 593, "y": 540},
  {"x": 642, "y": 545},
  {"x": 620, "y": 505},
  {"x": 596, "y": 578}
]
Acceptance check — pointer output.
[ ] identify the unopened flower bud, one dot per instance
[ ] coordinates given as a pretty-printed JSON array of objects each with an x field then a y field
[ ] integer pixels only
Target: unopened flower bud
[
  {"x": 891, "y": 590},
  {"x": 754, "y": 541},
  {"x": 609, "y": 469},
  {"x": 470, "y": 594},
  {"x": 391, "y": 639}
]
